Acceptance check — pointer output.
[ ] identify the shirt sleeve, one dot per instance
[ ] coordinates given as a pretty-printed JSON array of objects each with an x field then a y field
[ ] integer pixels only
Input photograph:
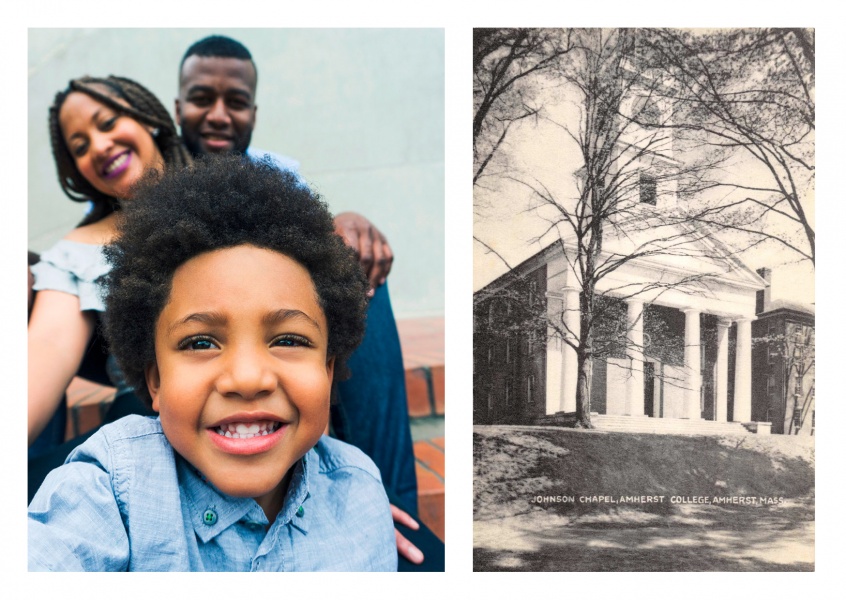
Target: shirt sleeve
[
  {"x": 73, "y": 268},
  {"x": 283, "y": 163},
  {"x": 359, "y": 506},
  {"x": 75, "y": 522}
]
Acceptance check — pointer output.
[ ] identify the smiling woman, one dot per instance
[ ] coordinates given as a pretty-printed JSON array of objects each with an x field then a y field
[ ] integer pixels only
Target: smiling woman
[
  {"x": 111, "y": 150},
  {"x": 105, "y": 134}
]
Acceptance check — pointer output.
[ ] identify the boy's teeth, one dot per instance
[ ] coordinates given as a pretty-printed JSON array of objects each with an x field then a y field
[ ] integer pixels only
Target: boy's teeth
[{"x": 247, "y": 430}]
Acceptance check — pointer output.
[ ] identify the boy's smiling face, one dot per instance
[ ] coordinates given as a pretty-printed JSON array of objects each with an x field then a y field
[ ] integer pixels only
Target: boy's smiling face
[{"x": 242, "y": 378}]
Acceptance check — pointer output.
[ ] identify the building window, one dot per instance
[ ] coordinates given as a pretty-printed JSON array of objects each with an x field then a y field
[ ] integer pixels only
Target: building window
[
  {"x": 490, "y": 355},
  {"x": 770, "y": 385},
  {"x": 648, "y": 189},
  {"x": 798, "y": 385},
  {"x": 507, "y": 391},
  {"x": 772, "y": 354},
  {"x": 530, "y": 389},
  {"x": 533, "y": 292},
  {"x": 797, "y": 417}
]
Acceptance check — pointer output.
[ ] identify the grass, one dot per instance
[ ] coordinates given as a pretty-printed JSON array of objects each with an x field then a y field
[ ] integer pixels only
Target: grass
[{"x": 514, "y": 465}]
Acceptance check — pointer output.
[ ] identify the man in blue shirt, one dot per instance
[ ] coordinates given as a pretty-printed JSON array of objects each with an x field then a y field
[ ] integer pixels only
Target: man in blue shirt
[{"x": 216, "y": 112}]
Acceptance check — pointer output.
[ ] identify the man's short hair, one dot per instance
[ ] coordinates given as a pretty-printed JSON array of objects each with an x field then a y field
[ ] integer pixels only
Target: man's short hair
[{"x": 218, "y": 46}]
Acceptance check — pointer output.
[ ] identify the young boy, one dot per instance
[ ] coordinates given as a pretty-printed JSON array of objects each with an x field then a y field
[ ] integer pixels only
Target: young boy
[{"x": 233, "y": 330}]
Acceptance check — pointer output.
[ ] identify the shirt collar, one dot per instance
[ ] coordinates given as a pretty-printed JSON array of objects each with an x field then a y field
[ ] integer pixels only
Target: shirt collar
[
  {"x": 295, "y": 509},
  {"x": 203, "y": 499}
]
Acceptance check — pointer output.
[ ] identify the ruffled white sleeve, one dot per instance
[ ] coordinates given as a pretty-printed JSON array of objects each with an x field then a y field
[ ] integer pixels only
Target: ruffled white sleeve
[{"x": 74, "y": 268}]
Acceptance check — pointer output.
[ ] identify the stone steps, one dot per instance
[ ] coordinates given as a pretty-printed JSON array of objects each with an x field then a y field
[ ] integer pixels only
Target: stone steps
[
  {"x": 644, "y": 424},
  {"x": 674, "y": 426}
]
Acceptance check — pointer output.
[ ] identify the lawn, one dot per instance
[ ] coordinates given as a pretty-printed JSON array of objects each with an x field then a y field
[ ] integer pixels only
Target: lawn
[{"x": 551, "y": 499}]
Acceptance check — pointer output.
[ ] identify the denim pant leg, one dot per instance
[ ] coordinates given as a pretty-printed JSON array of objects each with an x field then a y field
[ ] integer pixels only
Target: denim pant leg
[
  {"x": 372, "y": 409},
  {"x": 53, "y": 434}
]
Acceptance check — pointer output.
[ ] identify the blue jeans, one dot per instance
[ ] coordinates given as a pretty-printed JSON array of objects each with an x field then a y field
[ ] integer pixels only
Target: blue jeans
[{"x": 372, "y": 410}]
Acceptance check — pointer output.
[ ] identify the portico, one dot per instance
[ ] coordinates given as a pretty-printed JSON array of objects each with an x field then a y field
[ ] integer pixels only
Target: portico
[{"x": 726, "y": 300}]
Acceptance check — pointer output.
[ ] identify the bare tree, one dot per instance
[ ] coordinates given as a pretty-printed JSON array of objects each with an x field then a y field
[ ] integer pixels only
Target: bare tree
[
  {"x": 506, "y": 67},
  {"x": 627, "y": 162},
  {"x": 750, "y": 92}
]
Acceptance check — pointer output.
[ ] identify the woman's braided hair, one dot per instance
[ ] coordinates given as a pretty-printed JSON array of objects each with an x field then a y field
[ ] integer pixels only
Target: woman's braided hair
[{"x": 144, "y": 107}]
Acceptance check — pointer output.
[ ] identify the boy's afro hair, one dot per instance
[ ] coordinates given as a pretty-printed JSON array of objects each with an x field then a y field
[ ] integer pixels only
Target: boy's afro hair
[{"x": 221, "y": 202}]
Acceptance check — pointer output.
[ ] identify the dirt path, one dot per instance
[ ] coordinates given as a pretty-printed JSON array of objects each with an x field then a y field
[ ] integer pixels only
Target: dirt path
[{"x": 698, "y": 538}]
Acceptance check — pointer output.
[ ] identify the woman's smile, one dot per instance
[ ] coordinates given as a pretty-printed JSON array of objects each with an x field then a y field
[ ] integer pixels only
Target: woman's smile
[{"x": 117, "y": 165}]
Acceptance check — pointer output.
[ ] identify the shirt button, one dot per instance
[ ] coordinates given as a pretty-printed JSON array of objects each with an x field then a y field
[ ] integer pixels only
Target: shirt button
[
  {"x": 300, "y": 511},
  {"x": 209, "y": 517}
]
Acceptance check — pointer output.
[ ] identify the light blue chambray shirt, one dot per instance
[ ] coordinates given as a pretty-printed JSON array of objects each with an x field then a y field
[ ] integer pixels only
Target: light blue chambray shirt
[{"x": 125, "y": 501}]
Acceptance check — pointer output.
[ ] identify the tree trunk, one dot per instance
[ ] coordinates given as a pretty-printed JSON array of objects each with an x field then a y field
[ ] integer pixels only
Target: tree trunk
[{"x": 583, "y": 393}]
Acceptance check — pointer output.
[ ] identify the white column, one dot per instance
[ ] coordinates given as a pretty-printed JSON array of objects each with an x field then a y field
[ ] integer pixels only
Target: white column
[
  {"x": 634, "y": 383},
  {"x": 743, "y": 372},
  {"x": 692, "y": 363},
  {"x": 570, "y": 362},
  {"x": 721, "y": 407}
]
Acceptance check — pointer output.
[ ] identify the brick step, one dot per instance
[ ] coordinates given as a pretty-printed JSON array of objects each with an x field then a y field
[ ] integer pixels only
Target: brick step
[
  {"x": 430, "y": 466},
  {"x": 422, "y": 342},
  {"x": 88, "y": 403}
]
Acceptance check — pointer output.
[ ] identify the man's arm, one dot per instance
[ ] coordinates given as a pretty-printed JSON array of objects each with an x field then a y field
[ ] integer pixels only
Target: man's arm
[{"x": 371, "y": 247}]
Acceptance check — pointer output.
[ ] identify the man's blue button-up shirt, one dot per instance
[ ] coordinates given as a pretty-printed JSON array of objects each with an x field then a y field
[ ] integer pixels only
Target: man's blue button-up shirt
[{"x": 124, "y": 500}]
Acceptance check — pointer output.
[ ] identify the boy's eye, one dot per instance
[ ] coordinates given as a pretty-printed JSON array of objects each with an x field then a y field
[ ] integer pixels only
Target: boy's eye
[
  {"x": 289, "y": 341},
  {"x": 197, "y": 343}
]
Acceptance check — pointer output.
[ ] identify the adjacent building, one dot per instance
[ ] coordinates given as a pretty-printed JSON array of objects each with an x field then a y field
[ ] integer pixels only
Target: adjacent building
[{"x": 783, "y": 364}]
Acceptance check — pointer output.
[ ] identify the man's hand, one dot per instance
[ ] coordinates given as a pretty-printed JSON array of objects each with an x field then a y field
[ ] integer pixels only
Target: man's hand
[
  {"x": 371, "y": 247},
  {"x": 404, "y": 547}
]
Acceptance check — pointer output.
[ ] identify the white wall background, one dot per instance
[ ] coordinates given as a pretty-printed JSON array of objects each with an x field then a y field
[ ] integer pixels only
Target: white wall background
[{"x": 361, "y": 109}]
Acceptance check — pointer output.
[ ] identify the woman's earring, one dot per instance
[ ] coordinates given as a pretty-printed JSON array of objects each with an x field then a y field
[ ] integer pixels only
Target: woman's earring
[{"x": 155, "y": 132}]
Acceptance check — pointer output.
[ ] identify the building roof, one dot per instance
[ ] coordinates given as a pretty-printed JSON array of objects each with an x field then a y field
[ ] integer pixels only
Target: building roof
[{"x": 780, "y": 304}]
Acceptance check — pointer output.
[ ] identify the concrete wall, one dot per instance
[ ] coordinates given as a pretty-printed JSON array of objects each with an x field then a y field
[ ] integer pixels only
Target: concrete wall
[{"x": 361, "y": 109}]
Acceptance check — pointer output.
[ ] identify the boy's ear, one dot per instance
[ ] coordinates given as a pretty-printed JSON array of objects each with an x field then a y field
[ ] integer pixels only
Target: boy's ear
[{"x": 151, "y": 375}]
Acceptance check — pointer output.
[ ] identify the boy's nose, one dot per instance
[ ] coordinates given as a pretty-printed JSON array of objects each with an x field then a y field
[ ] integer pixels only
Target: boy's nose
[{"x": 246, "y": 375}]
